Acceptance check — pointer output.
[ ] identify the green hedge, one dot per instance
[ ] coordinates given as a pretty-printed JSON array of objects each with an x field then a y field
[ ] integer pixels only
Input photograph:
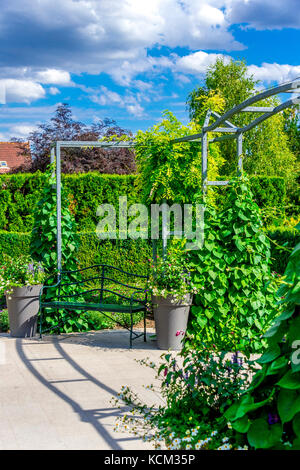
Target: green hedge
[
  {"x": 129, "y": 255},
  {"x": 132, "y": 255},
  {"x": 19, "y": 194},
  {"x": 283, "y": 242}
]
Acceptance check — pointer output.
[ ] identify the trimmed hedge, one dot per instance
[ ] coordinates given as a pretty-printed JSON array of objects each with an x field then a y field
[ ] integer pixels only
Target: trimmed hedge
[
  {"x": 129, "y": 255},
  {"x": 132, "y": 255},
  {"x": 283, "y": 241},
  {"x": 20, "y": 192}
]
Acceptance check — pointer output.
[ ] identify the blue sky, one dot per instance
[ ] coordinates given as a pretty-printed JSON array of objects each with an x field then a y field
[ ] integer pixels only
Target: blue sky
[{"x": 129, "y": 60}]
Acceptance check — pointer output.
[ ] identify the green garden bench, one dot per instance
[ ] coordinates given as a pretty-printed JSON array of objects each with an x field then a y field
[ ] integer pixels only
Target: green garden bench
[{"x": 96, "y": 288}]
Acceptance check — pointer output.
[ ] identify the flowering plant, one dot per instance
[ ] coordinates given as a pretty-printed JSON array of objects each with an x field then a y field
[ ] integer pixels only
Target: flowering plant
[
  {"x": 196, "y": 387},
  {"x": 19, "y": 272},
  {"x": 171, "y": 277}
]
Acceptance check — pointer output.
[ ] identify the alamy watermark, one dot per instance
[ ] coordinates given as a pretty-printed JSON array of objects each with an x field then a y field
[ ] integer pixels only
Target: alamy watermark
[
  {"x": 295, "y": 357},
  {"x": 155, "y": 222}
]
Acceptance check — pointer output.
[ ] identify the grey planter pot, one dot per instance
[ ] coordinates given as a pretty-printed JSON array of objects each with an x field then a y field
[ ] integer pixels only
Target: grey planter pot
[
  {"x": 23, "y": 307},
  {"x": 171, "y": 321}
]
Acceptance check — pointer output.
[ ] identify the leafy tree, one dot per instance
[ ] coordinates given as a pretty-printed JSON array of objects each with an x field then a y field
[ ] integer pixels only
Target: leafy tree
[
  {"x": 266, "y": 147},
  {"x": 292, "y": 128},
  {"x": 167, "y": 171},
  {"x": 62, "y": 126}
]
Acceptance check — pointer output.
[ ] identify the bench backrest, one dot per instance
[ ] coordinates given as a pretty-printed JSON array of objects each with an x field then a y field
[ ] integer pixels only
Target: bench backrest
[{"x": 103, "y": 281}]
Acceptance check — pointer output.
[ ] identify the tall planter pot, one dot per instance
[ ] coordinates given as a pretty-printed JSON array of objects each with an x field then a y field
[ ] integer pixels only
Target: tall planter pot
[
  {"x": 171, "y": 319},
  {"x": 23, "y": 308}
]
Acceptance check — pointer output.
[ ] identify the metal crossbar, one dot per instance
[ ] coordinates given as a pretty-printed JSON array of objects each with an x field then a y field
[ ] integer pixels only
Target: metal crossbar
[{"x": 235, "y": 132}]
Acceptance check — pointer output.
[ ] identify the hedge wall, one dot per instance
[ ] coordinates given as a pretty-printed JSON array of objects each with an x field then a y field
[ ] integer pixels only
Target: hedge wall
[
  {"x": 19, "y": 193},
  {"x": 129, "y": 255},
  {"x": 132, "y": 255},
  {"x": 282, "y": 237}
]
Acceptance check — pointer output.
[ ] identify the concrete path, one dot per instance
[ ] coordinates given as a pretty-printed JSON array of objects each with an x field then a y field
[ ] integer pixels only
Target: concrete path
[{"x": 55, "y": 393}]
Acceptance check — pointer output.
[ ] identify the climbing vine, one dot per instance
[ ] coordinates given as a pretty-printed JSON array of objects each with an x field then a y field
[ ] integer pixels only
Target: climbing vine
[{"x": 236, "y": 299}]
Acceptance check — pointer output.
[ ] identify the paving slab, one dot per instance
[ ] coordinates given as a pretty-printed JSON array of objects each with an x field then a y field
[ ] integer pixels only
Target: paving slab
[{"x": 55, "y": 393}]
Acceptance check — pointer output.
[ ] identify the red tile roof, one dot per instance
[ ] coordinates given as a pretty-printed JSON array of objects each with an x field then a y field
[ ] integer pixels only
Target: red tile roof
[{"x": 11, "y": 153}]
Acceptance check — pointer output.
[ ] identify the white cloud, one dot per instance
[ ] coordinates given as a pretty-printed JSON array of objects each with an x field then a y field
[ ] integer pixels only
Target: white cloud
[
  {"x": 274, "y": 72},
  {"x": 22, "y": 91},
  {"x": 266, "y": 14},
  {"x": 108, "y": 36},
  {"x": 53, "y": 90},
  {"x": 53, "y": 77},
  {"x": 135, "y": 109},
  {"x": 21, "y": 131},
  {"x": 129, "y": 101},
  {"x": 197, "y": 62}
]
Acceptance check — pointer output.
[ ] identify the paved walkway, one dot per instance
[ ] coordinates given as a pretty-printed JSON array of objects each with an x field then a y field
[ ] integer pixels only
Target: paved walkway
[{"x": 55, "y": 393}]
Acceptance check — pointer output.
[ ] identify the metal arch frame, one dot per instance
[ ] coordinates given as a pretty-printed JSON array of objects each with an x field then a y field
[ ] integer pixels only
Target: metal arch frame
[
  {"x": 55, "y": 155},
  {"x": 233, "y": 131},
  {"x": 236, "y": 132}
]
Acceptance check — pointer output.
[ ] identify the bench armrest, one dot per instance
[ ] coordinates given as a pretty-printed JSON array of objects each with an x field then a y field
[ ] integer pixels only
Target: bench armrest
[{"x": 48, "y": 287}]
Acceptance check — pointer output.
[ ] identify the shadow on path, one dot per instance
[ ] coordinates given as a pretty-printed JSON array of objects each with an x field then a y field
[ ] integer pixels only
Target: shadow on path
[{"x": 90, "y": 416}]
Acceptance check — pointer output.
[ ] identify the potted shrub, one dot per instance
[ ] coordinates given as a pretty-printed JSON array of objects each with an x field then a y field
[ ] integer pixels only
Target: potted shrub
[
  {"x": 171, "y": 296},
  {"x": 21, "y": 280}
]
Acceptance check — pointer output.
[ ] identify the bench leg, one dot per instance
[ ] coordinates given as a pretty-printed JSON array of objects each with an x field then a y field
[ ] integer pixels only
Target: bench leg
[
  {"x": 145, "y": 337},
  {"x": 41, "y": 321},
  {"x": 131, "y": 329}
]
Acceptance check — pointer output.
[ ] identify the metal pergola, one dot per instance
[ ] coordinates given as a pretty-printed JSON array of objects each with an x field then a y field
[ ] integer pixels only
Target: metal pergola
[
  {"x": 231, "y": 131},
  {"x": 222, "y": 124}
]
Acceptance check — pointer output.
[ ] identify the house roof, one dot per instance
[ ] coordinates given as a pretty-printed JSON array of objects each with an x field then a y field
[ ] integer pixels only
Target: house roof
[{"x": 11, "y": 153}]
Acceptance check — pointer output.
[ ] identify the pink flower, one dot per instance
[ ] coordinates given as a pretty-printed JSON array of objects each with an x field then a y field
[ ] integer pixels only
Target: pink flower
[
  {"x": 165, "y": 371},
  {"x": 179, "y": 332}
]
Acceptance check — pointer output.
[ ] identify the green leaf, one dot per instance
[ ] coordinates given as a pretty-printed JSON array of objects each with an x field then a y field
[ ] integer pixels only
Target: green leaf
[
  {"x": 290, "y": 381},
  {"x": 296, "y": 425},
  {"x": 276, "y": 365},
  {"x": 288, "y": 404},
  {"x": 263, "y": 436},
  {"x": 242, "y": 424},
  {"x": 271, "y": 354}
]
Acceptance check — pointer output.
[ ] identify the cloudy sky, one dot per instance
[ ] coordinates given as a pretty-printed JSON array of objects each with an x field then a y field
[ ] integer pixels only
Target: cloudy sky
[{"x": 131, "y": 59}]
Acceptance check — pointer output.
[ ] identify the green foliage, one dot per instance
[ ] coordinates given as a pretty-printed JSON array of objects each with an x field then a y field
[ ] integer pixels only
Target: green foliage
[
  {"x": 85, "y": 192},
  {"x": 4, "y": 322},
  {"x": 43, "y": 245},
  {"x": 19, "y": 272},
  {"x": 282, "y": 242},
  {"x": 196, "y": 388},
  {"x": 271, "y": 405},
  {"x": 167, "y": 171},
  {"x": 236, "y": 299},
  {"x": 266, "y": 146},
  {"x": 171, "y": 277},
  {"x": 130, "y": 255}
]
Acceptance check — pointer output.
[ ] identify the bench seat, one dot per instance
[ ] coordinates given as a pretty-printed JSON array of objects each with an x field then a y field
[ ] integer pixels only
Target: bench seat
[{"x": 115, "y": 308}]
